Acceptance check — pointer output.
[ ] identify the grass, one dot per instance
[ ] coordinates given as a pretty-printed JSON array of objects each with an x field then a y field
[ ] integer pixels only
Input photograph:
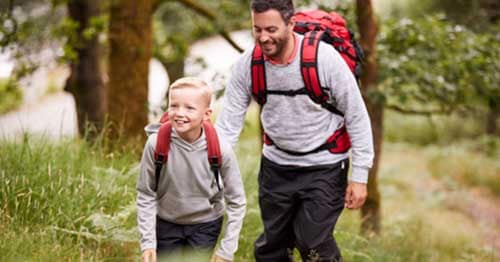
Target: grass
[{"x": 71, "y": 200}]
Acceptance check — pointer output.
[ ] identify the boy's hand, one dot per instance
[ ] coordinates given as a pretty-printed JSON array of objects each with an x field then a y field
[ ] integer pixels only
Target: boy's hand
[
  {"x": 149, "y": 255},
  {"x": 355, "y": 195},
  {"x": 216, "y": 258}
]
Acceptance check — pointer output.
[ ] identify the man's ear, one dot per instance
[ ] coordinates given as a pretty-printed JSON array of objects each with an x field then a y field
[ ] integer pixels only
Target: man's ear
[
  {"x": 207, "y": 115},
  {"x": 291, "y": 22}
]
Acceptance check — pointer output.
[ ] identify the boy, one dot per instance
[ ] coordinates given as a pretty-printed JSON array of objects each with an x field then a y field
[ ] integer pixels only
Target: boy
[{"x": 187, "y": 209}]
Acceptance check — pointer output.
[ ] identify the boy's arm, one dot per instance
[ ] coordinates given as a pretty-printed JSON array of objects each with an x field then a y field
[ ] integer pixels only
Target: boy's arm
[
  {"x": 348, "y": 99},
  {"x": 146, "y": 197},
  {"x": 234, "y": 195},
  {"x": 237, "y": 97}
]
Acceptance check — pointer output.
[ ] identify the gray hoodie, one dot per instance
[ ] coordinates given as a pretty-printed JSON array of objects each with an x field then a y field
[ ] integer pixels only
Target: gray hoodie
[{"x": 187, "y": 191}]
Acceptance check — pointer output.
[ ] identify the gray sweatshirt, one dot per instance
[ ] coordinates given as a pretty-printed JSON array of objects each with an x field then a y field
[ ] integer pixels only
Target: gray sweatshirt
[
  {"x": 297, "y": 123},
  {"x": 187, "y": 191}
]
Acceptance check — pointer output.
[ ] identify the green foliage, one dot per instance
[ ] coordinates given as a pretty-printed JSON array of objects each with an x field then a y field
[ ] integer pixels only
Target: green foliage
[
  {"x": 10, "y": 95},
  {"x": 427, "y": 130},
  {"x": 25, "y": 29},
  {"x": 431, "y": 65},
  {"x": 176, "y": 27}
]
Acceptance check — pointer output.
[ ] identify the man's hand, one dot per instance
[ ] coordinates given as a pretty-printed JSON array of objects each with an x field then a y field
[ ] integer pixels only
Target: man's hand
[
  {"x": 149, "y": 255},
  {"x": 216, "y": 258},
  {"x": 355, "y": 195}
]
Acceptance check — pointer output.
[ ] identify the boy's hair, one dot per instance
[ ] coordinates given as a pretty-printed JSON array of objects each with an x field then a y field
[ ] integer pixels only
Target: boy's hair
[
  {"x": 284, "y": 7},
  {"x": 196, "y": 83}
]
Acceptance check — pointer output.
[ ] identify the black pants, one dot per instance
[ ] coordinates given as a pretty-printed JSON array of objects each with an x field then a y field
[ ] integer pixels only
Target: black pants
[
  {"x": 176, "y": 239},
  {"x": 299, "y": 208}
]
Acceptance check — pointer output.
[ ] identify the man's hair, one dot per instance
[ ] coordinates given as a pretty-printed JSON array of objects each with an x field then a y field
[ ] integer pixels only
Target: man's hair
[
  {"x": 195, "y": 83},
  {"x": 284, "y": 7}
]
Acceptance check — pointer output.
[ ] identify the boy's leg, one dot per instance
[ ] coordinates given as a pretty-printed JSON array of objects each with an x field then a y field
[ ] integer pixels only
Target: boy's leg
[
  {"x": 202, "y": 239},
  {"x": 322, "y": 202},
  {"x": 169, "y": 236},
  {"x": 204, "y": 235},
  {"x": 277, "y": 185}
]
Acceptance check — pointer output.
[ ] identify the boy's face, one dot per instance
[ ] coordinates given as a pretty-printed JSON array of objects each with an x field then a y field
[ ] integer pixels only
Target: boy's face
[
  {"x": 271, "y": 32},
  {"x": 187, "y": 110}
]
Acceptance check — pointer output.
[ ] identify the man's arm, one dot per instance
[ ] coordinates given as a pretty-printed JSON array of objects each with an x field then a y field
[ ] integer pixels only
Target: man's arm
[
  {"x": 146, "y": 197},
  {"x": 348, "y": 99},
  {"x": 237, "y": 97},
  {"x": 347, "y": 95}
]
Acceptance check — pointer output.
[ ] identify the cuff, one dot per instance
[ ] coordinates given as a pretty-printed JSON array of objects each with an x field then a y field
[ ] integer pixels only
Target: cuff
[
  {"x": 359, "y": 174},
  {"x": 148, "y": 245},
  {"x": 224, "y": 255}
]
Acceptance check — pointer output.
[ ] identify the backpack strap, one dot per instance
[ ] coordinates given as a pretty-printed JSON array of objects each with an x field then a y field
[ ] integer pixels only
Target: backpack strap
[
  {"x": 163, "y": 146},
  {"x": 213, "y": 150},
  {"x": 258, "y": 72},
  {"x": 161, "y": 150},
  {"x": 309, "y": 71}
]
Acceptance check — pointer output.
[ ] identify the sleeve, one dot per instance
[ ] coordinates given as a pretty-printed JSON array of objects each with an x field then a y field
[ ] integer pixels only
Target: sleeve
[
  {"x": 234, "y": 195},
  {"x": 236, "y": 100},
  {"x": 347, "y": 95},
  {"x": 146, "y": 196}
]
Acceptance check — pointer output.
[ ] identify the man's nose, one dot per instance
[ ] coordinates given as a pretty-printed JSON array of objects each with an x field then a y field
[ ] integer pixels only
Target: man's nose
[{"x": 263, "y": 37}]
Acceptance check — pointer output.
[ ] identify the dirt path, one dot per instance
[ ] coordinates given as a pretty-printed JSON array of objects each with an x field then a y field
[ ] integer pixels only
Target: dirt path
[
  {"x": 53, "y": 116},
  {"x": 455, "y": 210}
]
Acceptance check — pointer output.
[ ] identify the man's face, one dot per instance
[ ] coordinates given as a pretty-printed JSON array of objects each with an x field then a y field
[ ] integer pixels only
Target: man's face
[{"x": 271, "y": 32}]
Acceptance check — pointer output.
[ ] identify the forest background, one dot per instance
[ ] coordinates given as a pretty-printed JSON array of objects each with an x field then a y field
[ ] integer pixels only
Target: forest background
[{"x": 430, "y": 83}]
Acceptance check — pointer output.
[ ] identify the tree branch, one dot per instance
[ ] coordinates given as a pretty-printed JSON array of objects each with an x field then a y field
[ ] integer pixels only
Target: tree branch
[
  {"x": 208, "y": 14},
  {"x": 417, "y": 112}
]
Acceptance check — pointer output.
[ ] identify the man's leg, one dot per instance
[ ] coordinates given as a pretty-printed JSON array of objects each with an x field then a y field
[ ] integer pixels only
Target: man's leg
[
  {"x": 277, "y": 205},
  {"x": 322, "y": 202}
]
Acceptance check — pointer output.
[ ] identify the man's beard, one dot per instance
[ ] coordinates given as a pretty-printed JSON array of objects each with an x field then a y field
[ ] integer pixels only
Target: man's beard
[{"x": 278, "y": 44}]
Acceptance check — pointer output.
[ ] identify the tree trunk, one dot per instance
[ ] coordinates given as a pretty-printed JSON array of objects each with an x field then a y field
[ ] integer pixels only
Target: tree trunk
[
  {"x": 175, "y": 69},
  {"x": 130, "y": 40},
  {"x": 367, "y": 25},
  {"x": 492, "y": 117},
  {"x": 85, "y": 82}
]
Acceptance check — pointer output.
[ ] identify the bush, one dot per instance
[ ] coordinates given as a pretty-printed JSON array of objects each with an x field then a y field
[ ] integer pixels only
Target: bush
[{"x": 10, "y": 95}]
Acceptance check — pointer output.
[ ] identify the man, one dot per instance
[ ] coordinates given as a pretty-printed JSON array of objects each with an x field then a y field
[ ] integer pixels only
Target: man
[{"x": 302, "y": 189}]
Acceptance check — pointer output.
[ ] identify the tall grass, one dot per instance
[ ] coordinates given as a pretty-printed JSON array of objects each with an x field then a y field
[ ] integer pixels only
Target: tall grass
[
  {"x": 72, "y": 200},
  {"x": 59, "y": 194}
]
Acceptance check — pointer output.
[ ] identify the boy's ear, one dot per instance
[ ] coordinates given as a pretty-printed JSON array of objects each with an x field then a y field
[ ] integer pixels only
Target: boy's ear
[{"x": 207, "y": 114}]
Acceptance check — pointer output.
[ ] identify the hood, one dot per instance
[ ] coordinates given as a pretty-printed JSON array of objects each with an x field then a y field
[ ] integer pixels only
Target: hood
[{"x": 199, "y": 144}]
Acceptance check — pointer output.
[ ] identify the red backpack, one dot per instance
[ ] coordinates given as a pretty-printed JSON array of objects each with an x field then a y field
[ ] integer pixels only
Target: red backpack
[
  {"x": 163, "y": 145},
  {"x": 316, "y": 26}
]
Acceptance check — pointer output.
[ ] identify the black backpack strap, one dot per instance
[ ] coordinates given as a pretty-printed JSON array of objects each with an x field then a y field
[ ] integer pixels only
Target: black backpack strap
[
  {"x": 161, "y": 150},
  {"x": 310, "y": 72},
  {"x": 213, "y": 150}
]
